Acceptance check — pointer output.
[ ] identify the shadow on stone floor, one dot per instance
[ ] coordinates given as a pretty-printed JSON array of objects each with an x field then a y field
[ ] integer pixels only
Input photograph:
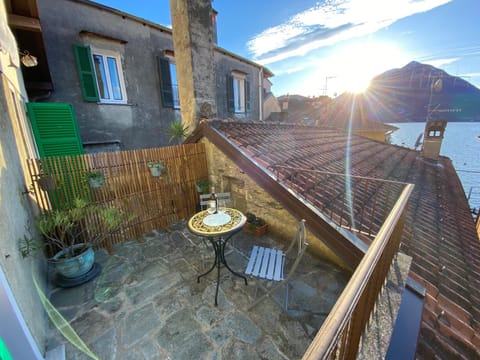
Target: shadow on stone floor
[{"x": 147, "y": 304}]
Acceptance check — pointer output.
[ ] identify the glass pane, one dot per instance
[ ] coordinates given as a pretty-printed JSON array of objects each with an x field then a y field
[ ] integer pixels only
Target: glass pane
[
  {"x": 101, "y": 78},
  {"x": 236, "y": 94},
  {"x": 239, "y": 94},
  {"x": 173, "y": 77},
  {"x": 114, "y": 79}
]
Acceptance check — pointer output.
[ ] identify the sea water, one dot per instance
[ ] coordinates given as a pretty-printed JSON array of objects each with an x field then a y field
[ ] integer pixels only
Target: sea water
[{"x": 461, "y": 144}]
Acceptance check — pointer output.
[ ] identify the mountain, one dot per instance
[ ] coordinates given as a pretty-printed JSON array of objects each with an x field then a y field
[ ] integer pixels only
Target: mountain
[{"x": 407, "y": 94}]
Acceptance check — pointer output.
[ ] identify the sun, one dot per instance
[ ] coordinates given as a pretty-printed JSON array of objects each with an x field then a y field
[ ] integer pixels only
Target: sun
[
  {"x": 357, "y": 83},
  {"x": 357, "y": 64}
]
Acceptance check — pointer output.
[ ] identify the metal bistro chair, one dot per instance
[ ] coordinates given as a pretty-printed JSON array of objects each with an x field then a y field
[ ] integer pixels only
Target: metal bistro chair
[
  {"x": 223, "y": 200},
  {"x": 269, "y": 264}
]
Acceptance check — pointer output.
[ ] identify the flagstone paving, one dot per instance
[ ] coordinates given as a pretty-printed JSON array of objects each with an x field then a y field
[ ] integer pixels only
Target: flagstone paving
[{"x": 147, "y": 304}]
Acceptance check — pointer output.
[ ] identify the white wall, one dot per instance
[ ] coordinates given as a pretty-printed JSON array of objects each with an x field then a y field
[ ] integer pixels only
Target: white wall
[{"x": 16, "y": 217}]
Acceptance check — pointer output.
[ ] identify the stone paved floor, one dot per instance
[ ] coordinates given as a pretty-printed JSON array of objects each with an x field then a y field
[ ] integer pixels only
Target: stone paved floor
[{"x": 147, "y": 304}]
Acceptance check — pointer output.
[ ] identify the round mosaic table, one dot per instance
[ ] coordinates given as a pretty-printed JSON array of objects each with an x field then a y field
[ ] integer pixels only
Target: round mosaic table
[{"x": 218, "y": 228}]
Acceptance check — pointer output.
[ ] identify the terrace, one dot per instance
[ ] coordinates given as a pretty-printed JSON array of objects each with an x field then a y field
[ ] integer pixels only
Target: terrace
[{"x": 147, "y": 302}]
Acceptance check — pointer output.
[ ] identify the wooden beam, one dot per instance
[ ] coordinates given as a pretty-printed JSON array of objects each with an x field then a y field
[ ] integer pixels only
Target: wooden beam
[{"x": 24, "y": 23}]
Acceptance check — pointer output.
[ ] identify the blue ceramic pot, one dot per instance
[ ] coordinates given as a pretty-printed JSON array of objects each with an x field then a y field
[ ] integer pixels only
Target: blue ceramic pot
[{"x": 75, "y": 266}]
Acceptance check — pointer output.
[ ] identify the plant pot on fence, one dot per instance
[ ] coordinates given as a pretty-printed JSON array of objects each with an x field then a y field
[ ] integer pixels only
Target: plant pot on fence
[
  {"x": 47, "y": 182},
  {"x": 96, "y": 179},
  {"x": 157, "y": 169},
  {"x": 95, "y": 183}
]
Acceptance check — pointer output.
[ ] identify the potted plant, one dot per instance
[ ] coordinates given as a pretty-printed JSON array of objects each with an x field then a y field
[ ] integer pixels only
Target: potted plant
[
  {"x": 95, "y": 179},
  {"x": 203, "y": 186},
  {"x": 71, "y": 234},
  {"x": 156, "y": 167},
  {"x": 255, "y": 225},
  {"x": 177, "y": 131}
]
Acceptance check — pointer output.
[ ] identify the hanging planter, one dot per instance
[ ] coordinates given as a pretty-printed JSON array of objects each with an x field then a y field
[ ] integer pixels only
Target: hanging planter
[
  {"x": 47, "y": 182},
  {"x": 95, "y": 179},
  {"x": 157, "y": 168}
]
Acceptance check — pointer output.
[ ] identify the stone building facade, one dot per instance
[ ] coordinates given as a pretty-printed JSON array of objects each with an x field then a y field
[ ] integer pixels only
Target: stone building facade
[{"x": 135, "y": 103}]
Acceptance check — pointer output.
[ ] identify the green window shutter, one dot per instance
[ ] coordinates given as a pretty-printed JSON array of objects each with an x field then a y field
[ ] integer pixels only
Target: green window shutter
[
  {"x": 4, "y": 353},
  {"x": 230, "y": 97},
  {"x": 247, "y": 95},
  {"x": 165, "y": 82},
  {"x": 55, "y": 129},
  {"x": 86, "y": 73}
]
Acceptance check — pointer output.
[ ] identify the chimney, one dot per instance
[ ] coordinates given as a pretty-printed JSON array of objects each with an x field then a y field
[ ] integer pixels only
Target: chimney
[
  {"x": 432, "y": 138},
  {"x": 193, "y": 41},
  {"x": 214, "y": 26}
]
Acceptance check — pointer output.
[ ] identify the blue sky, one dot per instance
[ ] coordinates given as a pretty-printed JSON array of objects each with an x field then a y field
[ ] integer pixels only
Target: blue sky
[{"x": 332, "y": 46}]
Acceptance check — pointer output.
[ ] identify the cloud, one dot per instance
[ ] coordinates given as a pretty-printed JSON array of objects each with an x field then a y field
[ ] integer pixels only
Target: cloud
[
  {"x": 441, "y": 62},
  {"x": 470, "y": 75},
  {"x": 330, "y": 22},
  {"x": 294, "y": 69}
]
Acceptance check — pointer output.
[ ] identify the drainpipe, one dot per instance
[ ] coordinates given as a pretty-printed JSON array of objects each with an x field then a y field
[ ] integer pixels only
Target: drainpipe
[{"x": 260, "y": 94}]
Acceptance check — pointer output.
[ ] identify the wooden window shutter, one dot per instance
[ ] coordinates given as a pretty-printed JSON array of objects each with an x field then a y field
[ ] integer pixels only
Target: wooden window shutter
[
  {"x": 165, "y": 82},
  {"x": 86, "y": 73},
  {"x": 247, "y": 95},
  {"x": 55, "y": 129},
  {"x": 230, "y": 96}
]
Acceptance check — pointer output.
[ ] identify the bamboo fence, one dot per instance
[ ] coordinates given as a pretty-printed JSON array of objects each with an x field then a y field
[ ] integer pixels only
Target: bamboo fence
[{"x": 154, "y": 202}]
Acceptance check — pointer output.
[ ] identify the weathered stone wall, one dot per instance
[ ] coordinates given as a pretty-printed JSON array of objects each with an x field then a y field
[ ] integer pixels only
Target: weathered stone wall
[
  {"x": 142, "y": 122},
  {"x": 16, "y": 217},
  {"x": 193, "y": 39},
  {"x": 247, "y": 196}
]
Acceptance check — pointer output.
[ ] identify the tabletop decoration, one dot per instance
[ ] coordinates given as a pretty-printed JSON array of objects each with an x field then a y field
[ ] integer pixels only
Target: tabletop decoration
[{"x": 198, "y": 225}]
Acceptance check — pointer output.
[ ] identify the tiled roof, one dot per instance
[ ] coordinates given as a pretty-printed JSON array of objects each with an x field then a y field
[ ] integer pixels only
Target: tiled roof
[{"x": 439, "y": 232}]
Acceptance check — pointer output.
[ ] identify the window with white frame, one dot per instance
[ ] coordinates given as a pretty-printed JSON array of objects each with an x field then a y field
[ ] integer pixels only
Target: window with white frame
[
  {"x": 100, "y": 74},
  {"x": 109, "y": 76},
  {"x": 238, "y": 92}
]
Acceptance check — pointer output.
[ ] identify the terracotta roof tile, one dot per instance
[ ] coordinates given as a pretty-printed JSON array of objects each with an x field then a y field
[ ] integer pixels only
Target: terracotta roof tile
[{"x": 439, "y": 232}]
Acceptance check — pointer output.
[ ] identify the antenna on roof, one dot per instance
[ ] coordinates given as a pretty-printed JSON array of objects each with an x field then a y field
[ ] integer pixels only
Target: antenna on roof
[{"x": 419, "y": 141}]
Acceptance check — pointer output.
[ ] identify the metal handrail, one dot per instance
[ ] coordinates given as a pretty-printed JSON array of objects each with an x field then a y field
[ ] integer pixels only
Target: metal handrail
[
  {"x": 359, "y": 204},
  {"x": 340, "y": 333}
]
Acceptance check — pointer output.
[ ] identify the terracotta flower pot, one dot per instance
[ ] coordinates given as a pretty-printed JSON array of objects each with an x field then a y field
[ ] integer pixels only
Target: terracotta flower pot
[{"x": 255, "y": 229}]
